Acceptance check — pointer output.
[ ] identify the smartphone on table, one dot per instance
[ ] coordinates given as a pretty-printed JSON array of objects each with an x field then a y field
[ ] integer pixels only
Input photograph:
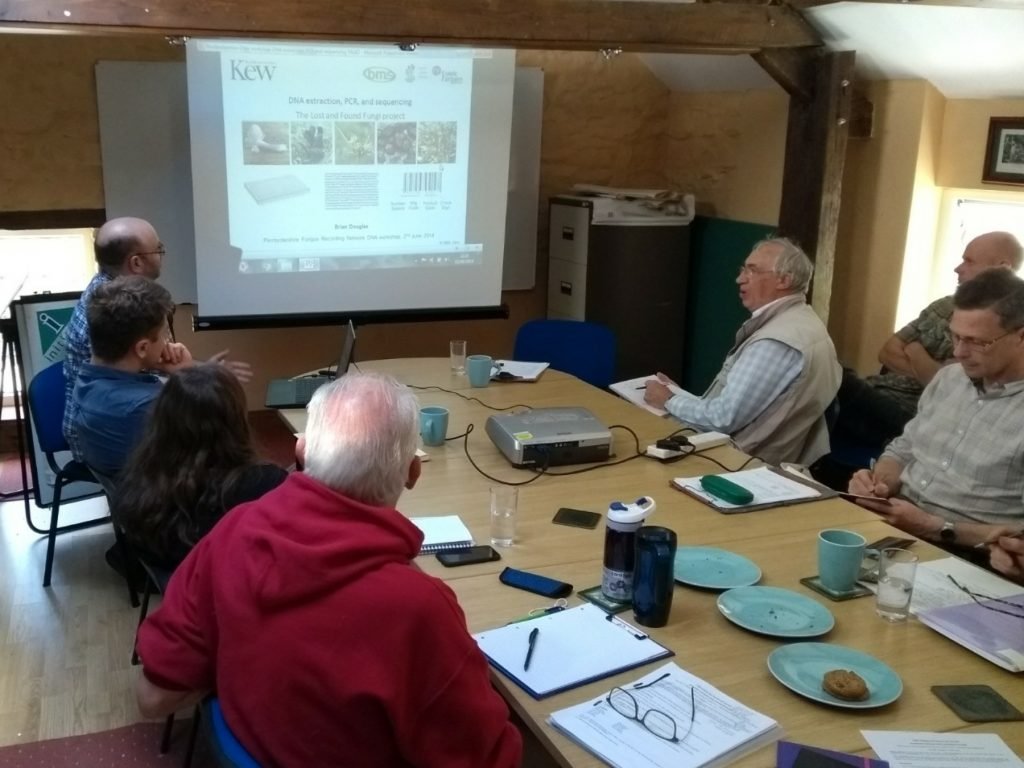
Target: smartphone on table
[{"x": 467, "y": 556}]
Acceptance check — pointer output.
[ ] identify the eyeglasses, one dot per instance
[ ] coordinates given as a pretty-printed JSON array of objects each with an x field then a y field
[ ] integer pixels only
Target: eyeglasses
[
  {"x": 978, "y": 344},
  {"x": 975, "y": 597},
  {"x": 161, "y": 252},
  {"x": 749, "y": 271},
  {"x": 655, "y": 721}
]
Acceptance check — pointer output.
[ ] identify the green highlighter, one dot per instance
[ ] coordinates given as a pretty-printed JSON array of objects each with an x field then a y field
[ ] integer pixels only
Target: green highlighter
[{"x": 726, "y": 490}]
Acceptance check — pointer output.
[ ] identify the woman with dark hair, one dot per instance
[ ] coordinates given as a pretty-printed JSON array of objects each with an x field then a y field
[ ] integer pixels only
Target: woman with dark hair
[{"x": 194, "y": 463}]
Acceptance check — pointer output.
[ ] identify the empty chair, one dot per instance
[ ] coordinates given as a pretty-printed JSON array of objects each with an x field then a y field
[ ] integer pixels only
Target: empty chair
[
  {"x": 586, "y": 350},
  {"x": 46, "y": 396}
]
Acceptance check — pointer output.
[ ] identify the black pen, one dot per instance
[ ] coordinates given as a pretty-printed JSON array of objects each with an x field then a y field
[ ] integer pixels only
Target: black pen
[{"x": 529, "y": 651}]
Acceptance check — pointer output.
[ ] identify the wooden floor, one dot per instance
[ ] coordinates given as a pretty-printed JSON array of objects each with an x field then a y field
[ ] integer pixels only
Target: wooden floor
[{"x": 65, "y": 652}]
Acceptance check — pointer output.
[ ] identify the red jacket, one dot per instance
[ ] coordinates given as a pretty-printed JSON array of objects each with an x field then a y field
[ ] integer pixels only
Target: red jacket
[{"x": 326, "y": 647}]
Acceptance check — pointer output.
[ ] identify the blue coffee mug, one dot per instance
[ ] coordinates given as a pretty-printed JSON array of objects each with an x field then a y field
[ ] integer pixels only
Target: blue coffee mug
[
  {"x": 479, "y": 369},
  {"x": 840, "y": 554},
  {"x": 433, "y": 424}
]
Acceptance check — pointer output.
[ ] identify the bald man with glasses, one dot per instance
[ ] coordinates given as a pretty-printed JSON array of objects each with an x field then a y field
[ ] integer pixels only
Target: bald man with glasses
[{"x": 956, "y": 474}]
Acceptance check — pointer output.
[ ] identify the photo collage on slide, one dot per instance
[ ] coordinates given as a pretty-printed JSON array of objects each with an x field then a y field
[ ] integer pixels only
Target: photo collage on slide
[{"x": 348, "y": 142}]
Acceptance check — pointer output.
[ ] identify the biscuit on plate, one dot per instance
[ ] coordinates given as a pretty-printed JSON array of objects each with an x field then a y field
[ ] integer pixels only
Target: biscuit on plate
[{"x": 845, "y": 684}]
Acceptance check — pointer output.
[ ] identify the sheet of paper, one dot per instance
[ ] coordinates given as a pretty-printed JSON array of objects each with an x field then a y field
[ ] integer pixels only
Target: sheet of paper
[
  {"x": 933, "y": 589},
  {"x": 633, "y": 390},
  {"x": 573, "y": 646},
  {"x": 519, "y": 370},
  {"x": 722, "y": 728},
  {"x": 767, "y": 486},
  {"x": 920, "y": 749}
]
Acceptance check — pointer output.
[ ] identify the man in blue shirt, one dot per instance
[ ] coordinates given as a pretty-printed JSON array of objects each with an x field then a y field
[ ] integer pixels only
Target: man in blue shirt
[
  {"x": 129, "y": 334},
  {"x": 124, "y": 246}
]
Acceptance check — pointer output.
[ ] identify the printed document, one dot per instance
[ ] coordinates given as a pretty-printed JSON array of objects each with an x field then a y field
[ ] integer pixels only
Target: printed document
[
  {"x": 921, "y": 749},
  {"x": 992, "y": 629},
  {"x": 722, "y": 728},
  {"x": 768, "y": 487}
]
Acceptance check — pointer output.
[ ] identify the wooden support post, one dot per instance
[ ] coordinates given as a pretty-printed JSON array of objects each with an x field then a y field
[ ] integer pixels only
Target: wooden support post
[{"x": 813, "y": 173}]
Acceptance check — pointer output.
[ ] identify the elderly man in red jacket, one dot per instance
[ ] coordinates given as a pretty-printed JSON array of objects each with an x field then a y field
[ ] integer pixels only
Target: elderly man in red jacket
[{"x": 304, "y": 613}]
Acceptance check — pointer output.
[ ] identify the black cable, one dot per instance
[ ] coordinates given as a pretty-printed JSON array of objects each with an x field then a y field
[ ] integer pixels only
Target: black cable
[
  {"x": 716, "y": 461},
  {"x": 465, "y": 448},
  {"x": 470, "y": 399}
]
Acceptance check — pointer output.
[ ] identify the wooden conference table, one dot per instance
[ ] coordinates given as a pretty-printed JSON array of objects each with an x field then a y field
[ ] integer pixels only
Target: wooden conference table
[{"x": 781, "y": 541}]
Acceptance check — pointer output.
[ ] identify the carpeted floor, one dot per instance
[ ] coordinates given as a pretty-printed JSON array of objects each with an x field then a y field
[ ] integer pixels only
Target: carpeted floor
[{"x": 134, "y": 746}]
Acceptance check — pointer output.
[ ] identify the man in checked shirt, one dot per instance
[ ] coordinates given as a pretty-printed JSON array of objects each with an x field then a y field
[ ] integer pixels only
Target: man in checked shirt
[
  {"x": 780, "y": 375},
  {"x": 956, "y": 474}
]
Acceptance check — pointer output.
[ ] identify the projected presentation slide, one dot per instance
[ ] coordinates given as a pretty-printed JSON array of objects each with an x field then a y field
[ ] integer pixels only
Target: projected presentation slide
[{"x": 328, "y": 157}]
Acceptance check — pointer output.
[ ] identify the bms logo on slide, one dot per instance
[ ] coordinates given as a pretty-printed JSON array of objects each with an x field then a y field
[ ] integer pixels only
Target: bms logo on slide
[
  {"x": 241, "y": 69},
  {"x": 378, "y": 74}
]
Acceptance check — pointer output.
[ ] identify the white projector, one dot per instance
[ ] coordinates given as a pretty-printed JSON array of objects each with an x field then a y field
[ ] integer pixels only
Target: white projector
[{"x": 550, "y": 437}]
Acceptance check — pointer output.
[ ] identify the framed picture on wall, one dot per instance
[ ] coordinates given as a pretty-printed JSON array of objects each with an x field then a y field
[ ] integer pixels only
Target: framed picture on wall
[{"x": 1004, "y": 154}]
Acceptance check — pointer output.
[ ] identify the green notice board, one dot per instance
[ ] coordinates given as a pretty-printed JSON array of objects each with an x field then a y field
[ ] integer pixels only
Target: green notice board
[{"x": 717, "y": 249}]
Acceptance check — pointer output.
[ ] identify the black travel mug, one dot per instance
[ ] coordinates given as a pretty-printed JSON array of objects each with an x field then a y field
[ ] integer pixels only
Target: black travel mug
[{"x": 653, "y": 577}]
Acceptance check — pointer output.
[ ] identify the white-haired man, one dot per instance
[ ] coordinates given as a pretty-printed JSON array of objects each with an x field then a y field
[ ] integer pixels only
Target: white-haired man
[
  {"x": 781, "y": 373},
  {"x": 304, "y": 612}
]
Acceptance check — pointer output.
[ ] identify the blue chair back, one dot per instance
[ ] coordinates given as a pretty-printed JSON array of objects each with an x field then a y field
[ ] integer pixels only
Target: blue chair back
[
  {"x": 586, "y": 350},
  {"x": 229, "y": 751},
  {"x": 46, "y": 397}
]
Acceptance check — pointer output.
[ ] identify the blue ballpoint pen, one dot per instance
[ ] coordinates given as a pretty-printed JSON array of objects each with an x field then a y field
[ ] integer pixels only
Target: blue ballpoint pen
[{"x": 529, "y": 651}]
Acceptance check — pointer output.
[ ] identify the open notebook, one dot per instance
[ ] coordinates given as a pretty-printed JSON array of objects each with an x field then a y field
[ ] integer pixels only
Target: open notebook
[
  {"x": 443, "y": 533},
  {"x": 573, "y": 647},
  {"x": 634, "y": 390}
]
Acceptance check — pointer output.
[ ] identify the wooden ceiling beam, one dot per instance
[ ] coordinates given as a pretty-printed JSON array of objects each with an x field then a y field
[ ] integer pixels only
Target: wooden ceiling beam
[{"x": 718, "y": 27}]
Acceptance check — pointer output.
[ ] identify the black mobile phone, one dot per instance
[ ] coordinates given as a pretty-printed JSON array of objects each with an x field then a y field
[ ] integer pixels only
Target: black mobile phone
[
  {"x": 577, "y": 518},
  {"x": 468, "y": 556}
]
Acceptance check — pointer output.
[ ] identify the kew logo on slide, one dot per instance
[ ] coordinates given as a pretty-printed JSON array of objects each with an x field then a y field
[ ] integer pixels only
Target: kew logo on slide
[
  {"x": 252, "y": 70},
  {"x": 378, "y": 74}
]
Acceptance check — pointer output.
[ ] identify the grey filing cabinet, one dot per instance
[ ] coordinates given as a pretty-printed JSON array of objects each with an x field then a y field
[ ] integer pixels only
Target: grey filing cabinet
[{"x": 630, "y": 275}]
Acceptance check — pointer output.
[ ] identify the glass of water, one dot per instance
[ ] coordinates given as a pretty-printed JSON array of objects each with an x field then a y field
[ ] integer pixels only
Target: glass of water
[
  {"x": 504, "y": 503},
  {"x": 457, "y": 356},
  {"x": 896, "y": 569}
]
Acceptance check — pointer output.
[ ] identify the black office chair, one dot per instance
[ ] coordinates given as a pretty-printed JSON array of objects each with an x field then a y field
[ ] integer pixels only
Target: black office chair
[
  {"x": 46, "y": 401},
  {"x": 586, "y": 350}
]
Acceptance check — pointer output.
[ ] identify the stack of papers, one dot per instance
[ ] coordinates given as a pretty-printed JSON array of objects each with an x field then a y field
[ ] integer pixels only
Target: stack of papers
[
  {"x": 722, "y": 728},
  {"x": 983, "y": 628},
  {"x": 633, "y": 390},
  {"x": 770, "y": 487},
  {"x": 443, "y": 533},
  {"x": 573, "y": 647}
]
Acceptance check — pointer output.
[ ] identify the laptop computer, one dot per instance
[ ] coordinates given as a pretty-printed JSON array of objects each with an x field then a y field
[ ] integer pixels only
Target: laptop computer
[{"x": 296, "y": 393}]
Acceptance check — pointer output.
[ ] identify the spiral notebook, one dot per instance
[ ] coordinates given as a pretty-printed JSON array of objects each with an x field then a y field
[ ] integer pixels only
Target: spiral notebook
[{"x": 443, "y": 533}]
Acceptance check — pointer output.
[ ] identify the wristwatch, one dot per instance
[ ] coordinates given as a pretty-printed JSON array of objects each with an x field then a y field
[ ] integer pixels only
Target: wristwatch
[{"x": 947, "y": 534}]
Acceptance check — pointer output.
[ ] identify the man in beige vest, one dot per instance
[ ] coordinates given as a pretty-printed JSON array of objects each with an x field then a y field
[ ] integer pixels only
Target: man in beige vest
[{"x": 779, "y": 376}]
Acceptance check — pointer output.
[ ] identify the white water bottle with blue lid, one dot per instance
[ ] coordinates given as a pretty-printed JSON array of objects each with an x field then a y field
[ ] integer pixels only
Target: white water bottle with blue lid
[{"x": 623, "y": 521}]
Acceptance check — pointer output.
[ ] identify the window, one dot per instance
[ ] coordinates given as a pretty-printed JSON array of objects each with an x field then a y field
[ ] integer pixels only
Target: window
[
  {"x": 42, "y": 260},
  {"x": 967, "y": 214}
]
